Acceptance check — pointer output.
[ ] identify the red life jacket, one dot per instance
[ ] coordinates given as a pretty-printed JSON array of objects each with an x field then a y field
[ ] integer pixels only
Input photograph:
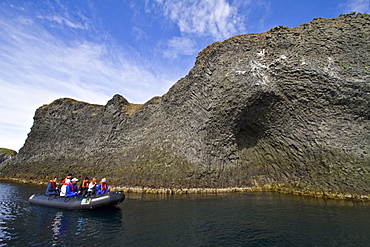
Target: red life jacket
[
  {"x": 73, "y": 186},
  {"x": 103, "y": 186},
  {"x": 64, "y": 181},
  {"x": 53, "y": 184},
  {"x": 85, "y": 184}
]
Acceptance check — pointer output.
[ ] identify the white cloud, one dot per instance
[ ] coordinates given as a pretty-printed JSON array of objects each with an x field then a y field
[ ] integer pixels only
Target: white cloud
[
  {"x": 215, "y": 18},
  {"x": 36, "y": 68},
  {"x": 361, "y": 6},
  {"x": 57, "y": 14},
  {"x": 139, "y": 33},
  {"x": 180, "y": 46},
  {"x": 65, "y": 21}
]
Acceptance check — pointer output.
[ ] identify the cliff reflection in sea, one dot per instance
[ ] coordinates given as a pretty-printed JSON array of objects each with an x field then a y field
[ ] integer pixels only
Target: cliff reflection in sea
[{"x": 234, "y": 219}]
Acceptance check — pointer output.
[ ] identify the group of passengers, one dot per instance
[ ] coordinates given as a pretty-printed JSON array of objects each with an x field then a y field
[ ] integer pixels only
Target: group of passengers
[{"x": 69, "y": 187}]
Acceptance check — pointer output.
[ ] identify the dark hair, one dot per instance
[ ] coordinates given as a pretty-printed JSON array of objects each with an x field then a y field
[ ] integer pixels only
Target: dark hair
[
  {"x": 86, "y": 178},
  {"x": 70, "y": 174}
]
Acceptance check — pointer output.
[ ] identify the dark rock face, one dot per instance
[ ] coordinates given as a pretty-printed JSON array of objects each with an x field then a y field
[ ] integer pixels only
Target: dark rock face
[{"x": 290, "y": 106}]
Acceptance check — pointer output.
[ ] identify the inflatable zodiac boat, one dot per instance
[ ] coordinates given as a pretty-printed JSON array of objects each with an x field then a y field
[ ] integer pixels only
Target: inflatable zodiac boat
[{"x": 78, "y": 203}]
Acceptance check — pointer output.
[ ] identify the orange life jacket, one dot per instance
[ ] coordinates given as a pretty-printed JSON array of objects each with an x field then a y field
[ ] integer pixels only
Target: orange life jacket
[
  {"x": 64, "y": 182},
  {"x": 103, "y": 186},
  {"x": 85, "y": 184},
  {"x": 53, "y": 184}
]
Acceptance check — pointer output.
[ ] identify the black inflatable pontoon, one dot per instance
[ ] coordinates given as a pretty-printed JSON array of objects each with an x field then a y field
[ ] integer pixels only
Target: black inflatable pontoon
[{"x": 78, "y": 203}]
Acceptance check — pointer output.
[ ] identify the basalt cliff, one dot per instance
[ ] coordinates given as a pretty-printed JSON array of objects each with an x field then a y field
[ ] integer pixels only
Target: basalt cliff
[{"x": 288, "y": 108}]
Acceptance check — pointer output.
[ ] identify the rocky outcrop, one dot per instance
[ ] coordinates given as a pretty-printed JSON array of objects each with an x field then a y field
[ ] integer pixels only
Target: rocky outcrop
[
  {"x": 6, "y": 155},
  {"x": 288, "y": 107}
]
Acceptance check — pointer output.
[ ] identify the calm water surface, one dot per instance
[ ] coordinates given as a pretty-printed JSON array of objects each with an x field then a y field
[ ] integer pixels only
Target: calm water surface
[{"x": 241, "y": 219}]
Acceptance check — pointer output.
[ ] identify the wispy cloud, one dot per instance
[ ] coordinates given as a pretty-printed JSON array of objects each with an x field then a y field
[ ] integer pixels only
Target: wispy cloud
[
  {"x": 73, "y": 69},
  {"x": 65, "y": 21},
  {"x": 361, "y": 6},
  {"x": 37, "y": 67},
  {"x": 197, "y": 23},
  {"x": 215, "y": 18},
  {"x": 180, "y": 45}
]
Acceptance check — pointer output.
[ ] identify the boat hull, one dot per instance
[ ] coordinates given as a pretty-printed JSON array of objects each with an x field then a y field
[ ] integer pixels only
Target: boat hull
[{"x": 78, "y": 203}]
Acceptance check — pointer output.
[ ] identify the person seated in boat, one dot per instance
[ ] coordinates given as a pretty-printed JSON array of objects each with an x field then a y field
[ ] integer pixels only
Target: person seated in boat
[
  {"x": 65, "y": 182},
  {"x": 102, "y": 187},
  {"x": 84, "y": 186},
  {"x": 52, "y": 188},
  {"x": 92, "y": 187},
  {"x": 72, "y": 189}
]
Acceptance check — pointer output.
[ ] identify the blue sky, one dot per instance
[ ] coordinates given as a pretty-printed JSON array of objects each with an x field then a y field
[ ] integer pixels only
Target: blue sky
[{"x": 90, "y": 50}]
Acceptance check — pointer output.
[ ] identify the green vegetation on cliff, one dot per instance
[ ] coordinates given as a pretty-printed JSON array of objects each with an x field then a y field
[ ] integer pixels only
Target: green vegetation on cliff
[{"x": 5, "y": 151}]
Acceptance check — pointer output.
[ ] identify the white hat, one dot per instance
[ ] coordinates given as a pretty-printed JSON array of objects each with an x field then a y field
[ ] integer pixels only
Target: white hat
[
  {"x": 74, "y": 179},
  {"x": 104, "y": 180}
]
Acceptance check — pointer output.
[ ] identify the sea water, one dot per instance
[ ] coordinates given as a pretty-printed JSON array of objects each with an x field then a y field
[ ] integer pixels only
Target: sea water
[{"x": 230, "y": 219}]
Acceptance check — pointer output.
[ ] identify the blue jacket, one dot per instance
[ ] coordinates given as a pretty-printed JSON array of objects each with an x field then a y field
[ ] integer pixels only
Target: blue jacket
[
  {"x": 72, "y": 190},
  {"x": 102, "y": 188},
  {"x": 51, "y": 188}
]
